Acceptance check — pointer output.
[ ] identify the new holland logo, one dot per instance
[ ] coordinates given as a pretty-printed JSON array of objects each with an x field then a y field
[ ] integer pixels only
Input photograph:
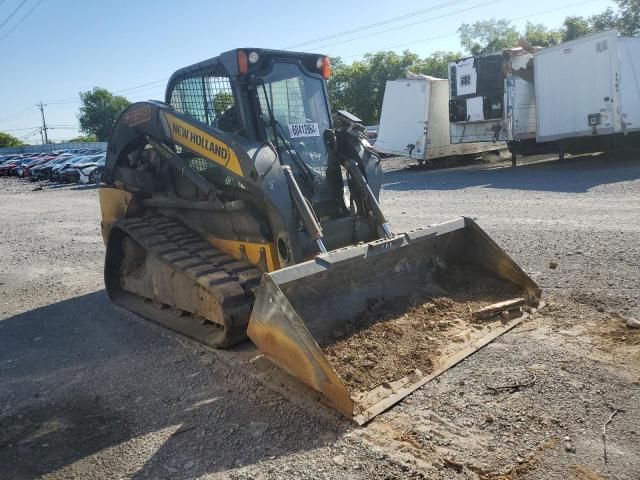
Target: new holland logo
[{"x": 202, "y": 143}]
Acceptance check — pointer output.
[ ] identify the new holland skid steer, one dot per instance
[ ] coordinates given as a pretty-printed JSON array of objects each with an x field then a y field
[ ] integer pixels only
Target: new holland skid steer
[{"x": 241, "y": 207}]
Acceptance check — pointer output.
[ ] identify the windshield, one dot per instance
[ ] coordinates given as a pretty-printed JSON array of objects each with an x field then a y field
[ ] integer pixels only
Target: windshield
[
  {"x": 299, "y": 106},
  {"x": 92, "y": 159},
  {"x": 71, "y": 161}
]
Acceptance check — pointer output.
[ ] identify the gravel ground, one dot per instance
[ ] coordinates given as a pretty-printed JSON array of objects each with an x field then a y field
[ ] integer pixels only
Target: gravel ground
[{"x": 91, "y": 391}]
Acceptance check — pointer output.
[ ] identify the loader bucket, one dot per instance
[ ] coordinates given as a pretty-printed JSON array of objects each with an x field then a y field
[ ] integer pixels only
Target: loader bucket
[{"x": 369, "y": 324}]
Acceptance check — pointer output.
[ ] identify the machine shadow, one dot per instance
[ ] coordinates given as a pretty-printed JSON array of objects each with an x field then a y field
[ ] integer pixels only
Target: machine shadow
[
  {"x": 82, "y": 376},
  {"x": 571, "y": 175}
]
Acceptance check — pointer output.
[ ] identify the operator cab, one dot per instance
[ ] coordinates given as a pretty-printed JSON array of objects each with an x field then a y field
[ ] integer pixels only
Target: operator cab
[{"x": 269, "y": 96}]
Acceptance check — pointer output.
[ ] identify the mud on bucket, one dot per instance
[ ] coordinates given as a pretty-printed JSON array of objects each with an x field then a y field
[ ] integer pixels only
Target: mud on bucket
[{"x": 369, "y": 324}]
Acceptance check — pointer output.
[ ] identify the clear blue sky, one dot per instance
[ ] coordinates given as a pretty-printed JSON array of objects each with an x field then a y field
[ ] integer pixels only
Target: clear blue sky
[{"x": 64, "y": 46}]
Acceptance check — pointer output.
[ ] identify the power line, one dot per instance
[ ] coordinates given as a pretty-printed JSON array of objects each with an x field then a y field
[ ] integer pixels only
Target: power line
[
  {"x": 21, "y": 20},
  {"x": 390, "y": 47},
  {"x": 31, "y": 134},
  {"x": 157, "y": 88},
  {"x": 12, "y": 13},
  {"x": 55, "y": 103},
  {"x": 67, "y": 101},
  {"x": 513, "y": 19},
  {"x": 151, "y": 95},
  {"x": 17, "y": 114},
  {"x": 408, "y": 24},
  {"x": 551, "y": 10},
  {"x": 143, "y": 85},
  {"x": 19, "y": 129},
  {"x": 377, "y": 24}
]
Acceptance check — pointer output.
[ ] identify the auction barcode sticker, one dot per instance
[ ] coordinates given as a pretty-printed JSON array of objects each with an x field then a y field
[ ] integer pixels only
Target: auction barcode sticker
[{"x": 297, "y": 130}]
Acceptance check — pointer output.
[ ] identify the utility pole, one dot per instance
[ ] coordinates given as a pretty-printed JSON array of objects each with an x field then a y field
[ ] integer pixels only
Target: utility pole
[
  {"x": 44, "y": 123},
  {"x": 42, "y": 136}
]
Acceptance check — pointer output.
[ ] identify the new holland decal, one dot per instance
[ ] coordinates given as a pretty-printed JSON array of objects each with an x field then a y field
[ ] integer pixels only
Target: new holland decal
[{"x": 203, "y": 143}]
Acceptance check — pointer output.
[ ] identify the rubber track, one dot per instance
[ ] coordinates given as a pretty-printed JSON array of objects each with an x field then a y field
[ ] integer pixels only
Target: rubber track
[{"x": 231, "y": 280}]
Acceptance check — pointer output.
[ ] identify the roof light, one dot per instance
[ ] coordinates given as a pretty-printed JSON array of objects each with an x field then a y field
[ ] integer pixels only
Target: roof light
[
  {"x": 243, "y": 65},
  {"x": 326, "y": 68},
  {"x": 253, "y": 57}
]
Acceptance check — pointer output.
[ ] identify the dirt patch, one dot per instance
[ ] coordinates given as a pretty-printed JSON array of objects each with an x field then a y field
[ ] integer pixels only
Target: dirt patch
[
  {"x": 590, "y": 299},
  {"x": 392, "y": 338},
  {"x": 528, "y": 464},
  {"x": 613, "y": 324},
  {"x": 614, "y": 330}
]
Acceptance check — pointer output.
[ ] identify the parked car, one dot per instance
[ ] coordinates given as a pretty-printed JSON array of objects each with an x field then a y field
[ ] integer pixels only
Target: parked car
[
  {"x": 7, "y": 158},
  {"x": 25, "y": 171},
  {"x": 6, "y": 164},
  {"x": 43, "y": 172},
  {"x": 88, "y": 171},
  {"x": 9, "y": 168},
  {"x": 58, "y": 170}
]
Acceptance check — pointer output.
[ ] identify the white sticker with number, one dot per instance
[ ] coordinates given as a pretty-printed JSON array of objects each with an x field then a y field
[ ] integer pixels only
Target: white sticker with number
[{"x": 297, "y": 130}]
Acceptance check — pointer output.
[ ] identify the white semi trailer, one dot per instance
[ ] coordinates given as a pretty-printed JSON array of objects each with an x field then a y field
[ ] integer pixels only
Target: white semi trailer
[
  {"x": 414, "y": 122},
  {"x": 588, "y": 93}
]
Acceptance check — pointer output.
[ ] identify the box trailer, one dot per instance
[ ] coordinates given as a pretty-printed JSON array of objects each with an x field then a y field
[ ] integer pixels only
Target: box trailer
[
  {"x": 588, "y": 93},
  {"x": 493, "y": 99},
  {"x": 414, "y": 121}
]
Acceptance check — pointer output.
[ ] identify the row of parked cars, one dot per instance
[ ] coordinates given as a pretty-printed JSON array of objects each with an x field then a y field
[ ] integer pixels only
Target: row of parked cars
[{"x": 66, "y": 166}]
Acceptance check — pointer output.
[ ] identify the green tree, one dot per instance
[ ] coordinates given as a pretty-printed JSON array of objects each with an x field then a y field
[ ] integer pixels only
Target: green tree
[
  {"x": 98, "y": 112},
  {"x": 338, "y": 84},
  {"x": 626, "y": 20},
  {"x": 84, "y": 139},
  {"x": 221, "y": 102},
  {"x": 488, "y": 36},
  {"x": 539, "y": 35},
  {"x": 436, "y": 64},
  {"x": 575, "y": 27},
  {"x": 7, "y": 140},
  {"x": 629, "y": 17},
  {"x": 359, "y": 87},
  {"x": 606, "y": 20}
]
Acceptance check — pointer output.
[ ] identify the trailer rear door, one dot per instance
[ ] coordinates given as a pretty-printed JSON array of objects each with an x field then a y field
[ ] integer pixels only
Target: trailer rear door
[
  {"x": 576, "y": 87},
  {"x": 403, "y": 117}
]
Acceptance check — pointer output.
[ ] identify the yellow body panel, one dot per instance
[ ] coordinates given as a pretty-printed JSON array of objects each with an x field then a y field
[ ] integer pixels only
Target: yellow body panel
[
  {"x": 252, "y": 251},
  {"x": 114, "y": 203},
  {"x": 203, "y": 143}
]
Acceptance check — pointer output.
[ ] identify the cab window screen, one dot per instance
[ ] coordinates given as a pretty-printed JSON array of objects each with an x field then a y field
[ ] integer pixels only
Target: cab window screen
[{"x": 209, "y": 100}]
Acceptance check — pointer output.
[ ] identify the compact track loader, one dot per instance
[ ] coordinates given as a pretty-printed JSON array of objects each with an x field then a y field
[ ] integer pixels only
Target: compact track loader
[{"x": 241, "y": 207}]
